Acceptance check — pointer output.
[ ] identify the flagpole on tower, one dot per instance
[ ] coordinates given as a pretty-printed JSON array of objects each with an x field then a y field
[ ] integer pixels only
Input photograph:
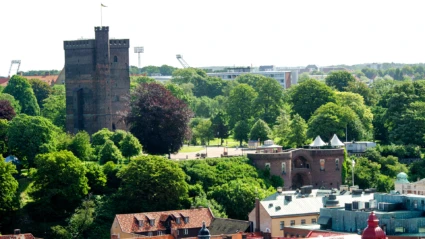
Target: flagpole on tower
[{"x": 101, "y": 13}]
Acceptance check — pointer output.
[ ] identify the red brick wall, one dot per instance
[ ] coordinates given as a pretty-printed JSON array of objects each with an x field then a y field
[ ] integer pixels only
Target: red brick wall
[{"x": 330, "y": 177}]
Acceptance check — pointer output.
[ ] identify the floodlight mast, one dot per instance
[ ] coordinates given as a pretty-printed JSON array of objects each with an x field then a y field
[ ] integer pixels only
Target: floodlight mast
[
  {"x": 138, "y": 50},
  {"x": 182, "y": 61},
  {"x": 14, "y": 62}
]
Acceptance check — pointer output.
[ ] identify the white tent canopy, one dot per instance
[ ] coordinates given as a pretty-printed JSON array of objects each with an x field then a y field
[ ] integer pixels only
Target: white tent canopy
[
  {"x": 336, "y": 142},
  {"x": 318, "y": 142}
]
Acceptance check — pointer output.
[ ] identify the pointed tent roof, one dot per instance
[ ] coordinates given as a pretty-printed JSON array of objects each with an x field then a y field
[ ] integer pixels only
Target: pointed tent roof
[
  {"x": 335, "y": 141},
  {"x": 318, "y": 142}
]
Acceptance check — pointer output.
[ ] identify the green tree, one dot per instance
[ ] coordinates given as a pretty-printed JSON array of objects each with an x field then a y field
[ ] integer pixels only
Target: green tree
[
  {"x": 249, "y": 79},
  {"x": 260, "y": 130},
  {"x": 369, "y": 95},
  {"x": 166, "y": 70},
  {"x": 298, "y": 133},
  {"x": 309, "y": 96},
  {"x": 149, "y": 181},
  {"x": 178, "y": 92},
  {"x": 220, "y": 126},
  {"x": 8, "y": 187},
  {"x": 59, "y": 184},
  {"x": 99, "y": 139},
  {"x": 20, "y": 88},
  {"x": 303, "y": 77},
  {"x": 15, "y": 104},
  {"x": 4, "y": 126},
  {"x": 96, "y": 178},
  {"x": 41, "y": 89},
  {"x": 80, "y": 146},
  {"x": 241, "y": 131},
  {"x": 109, "y": 152},
  {"x": 78, "y": 224},
  {"x": 339, "y": 79},
  {"x": 356, "y": 103},
  {"x": 130, "y": 146},
  {"x": 241, "y": 104},
  {"x": 54, "y": 107},
  {"x": 269, "y": 100},
  {"x": 282, "y": 129},
  {"x": 238, "y": 192},
  {"x": 31, "y": 135},
  {"x": 332, "y": 119},
  {"x": 118, "y": 136},
  {"x": 204, "y": 131}
]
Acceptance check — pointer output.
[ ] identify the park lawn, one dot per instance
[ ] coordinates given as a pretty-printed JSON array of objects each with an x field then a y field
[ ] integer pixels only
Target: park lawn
[
  {"x": 191, "y": 149},
  {"x": 229, "y": 142}
]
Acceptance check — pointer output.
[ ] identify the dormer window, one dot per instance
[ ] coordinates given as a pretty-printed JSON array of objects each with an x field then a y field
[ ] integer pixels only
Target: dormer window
[
  {"x": 152, "y": 222},
  {"x": 178, "y": 220},
  {"x": 186, "y": 220},
  {"x": 140, "y": 223}
]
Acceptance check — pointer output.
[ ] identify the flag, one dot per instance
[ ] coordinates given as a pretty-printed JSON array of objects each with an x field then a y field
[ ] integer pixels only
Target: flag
[{"x": 103, "y": 5}]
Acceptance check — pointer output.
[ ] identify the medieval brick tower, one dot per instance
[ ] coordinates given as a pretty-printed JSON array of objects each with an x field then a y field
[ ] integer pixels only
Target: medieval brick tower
[{"x": 97, "y": 82}]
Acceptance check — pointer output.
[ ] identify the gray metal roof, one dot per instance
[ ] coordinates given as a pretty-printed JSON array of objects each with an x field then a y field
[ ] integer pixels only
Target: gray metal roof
[{"x": 309, "y": 205}]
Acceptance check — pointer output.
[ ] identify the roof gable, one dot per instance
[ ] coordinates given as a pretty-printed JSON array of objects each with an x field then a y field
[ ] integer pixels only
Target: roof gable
[{"x": 129, "y": 224}]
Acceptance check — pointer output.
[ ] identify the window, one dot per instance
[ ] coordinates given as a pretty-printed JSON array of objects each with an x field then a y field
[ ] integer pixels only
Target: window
[
  {"x": 313, "y": 221},
  {"x": 292, "y": 222},
  {"x": 283, "y": 168},
  {"x": 282, "y": 225},
  {"x": 159, "y": 233},
  {"x": 178, "y": 220},
  {"x": 337, "y": 163},
  {"x": 152, "y": 222},
  {"x": 399, "y": 229},
  {"x": 140, "y": 223},
  {"x": 322, "y": 165},
  {"x": 186, "y": 231},
  {"x": 302, "y": 221},
  {"x": 150, "y": 234},
  {"x": 421, "y": 229},
  {"x": 267, "y": 165},
  {"x": 186, "y": 220},
  {"x": 115, "y": 59}
]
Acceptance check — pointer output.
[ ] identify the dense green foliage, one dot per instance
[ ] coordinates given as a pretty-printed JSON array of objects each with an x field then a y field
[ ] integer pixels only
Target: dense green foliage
[
  {"x": 8, "y": 187},
  {"x": 20, "y": 88},
  {"x": 339, "y": 79},
  {"x": 59, "y": 184},
  {"x": 308, "y": 96},
  {"x": 29, "y": 136}
]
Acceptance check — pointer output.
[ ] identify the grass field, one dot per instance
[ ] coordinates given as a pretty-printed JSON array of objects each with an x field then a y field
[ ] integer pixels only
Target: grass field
[{"x": 191, "y": 149}]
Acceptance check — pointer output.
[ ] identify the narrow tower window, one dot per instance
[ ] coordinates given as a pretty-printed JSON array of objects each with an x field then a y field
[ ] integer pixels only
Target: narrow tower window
[{"x": 115, "y": 59}]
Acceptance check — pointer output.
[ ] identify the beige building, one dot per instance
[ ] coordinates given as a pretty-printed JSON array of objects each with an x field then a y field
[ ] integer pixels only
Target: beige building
[
  {"x": 403, "y": 186},
  {"x": 291, "y": 208}
]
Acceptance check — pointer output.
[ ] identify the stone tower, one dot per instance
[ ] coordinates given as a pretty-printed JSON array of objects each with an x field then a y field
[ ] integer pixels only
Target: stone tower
[{"x": 97, "y": 82}]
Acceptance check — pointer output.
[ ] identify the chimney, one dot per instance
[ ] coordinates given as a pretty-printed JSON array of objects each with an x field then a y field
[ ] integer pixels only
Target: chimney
[
  {"x": 17, "y": 231},
  {"x": 257, "y": 215}
]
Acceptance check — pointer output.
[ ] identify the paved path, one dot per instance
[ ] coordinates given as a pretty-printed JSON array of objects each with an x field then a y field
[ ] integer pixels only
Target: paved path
[{"x": 212, "y": 152}]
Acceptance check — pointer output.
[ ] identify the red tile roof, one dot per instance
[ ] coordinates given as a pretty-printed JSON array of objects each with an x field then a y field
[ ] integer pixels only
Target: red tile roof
[
  {"x": 129, "y": 223},
  {"x": 49, "y": 79},
  {"x": 4, "y": 81},
  {"x": 19, "y": 236}
]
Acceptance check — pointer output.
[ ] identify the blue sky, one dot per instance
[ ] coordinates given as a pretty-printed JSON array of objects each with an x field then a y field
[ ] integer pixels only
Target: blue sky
[{"x": 207, "y": 33}]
